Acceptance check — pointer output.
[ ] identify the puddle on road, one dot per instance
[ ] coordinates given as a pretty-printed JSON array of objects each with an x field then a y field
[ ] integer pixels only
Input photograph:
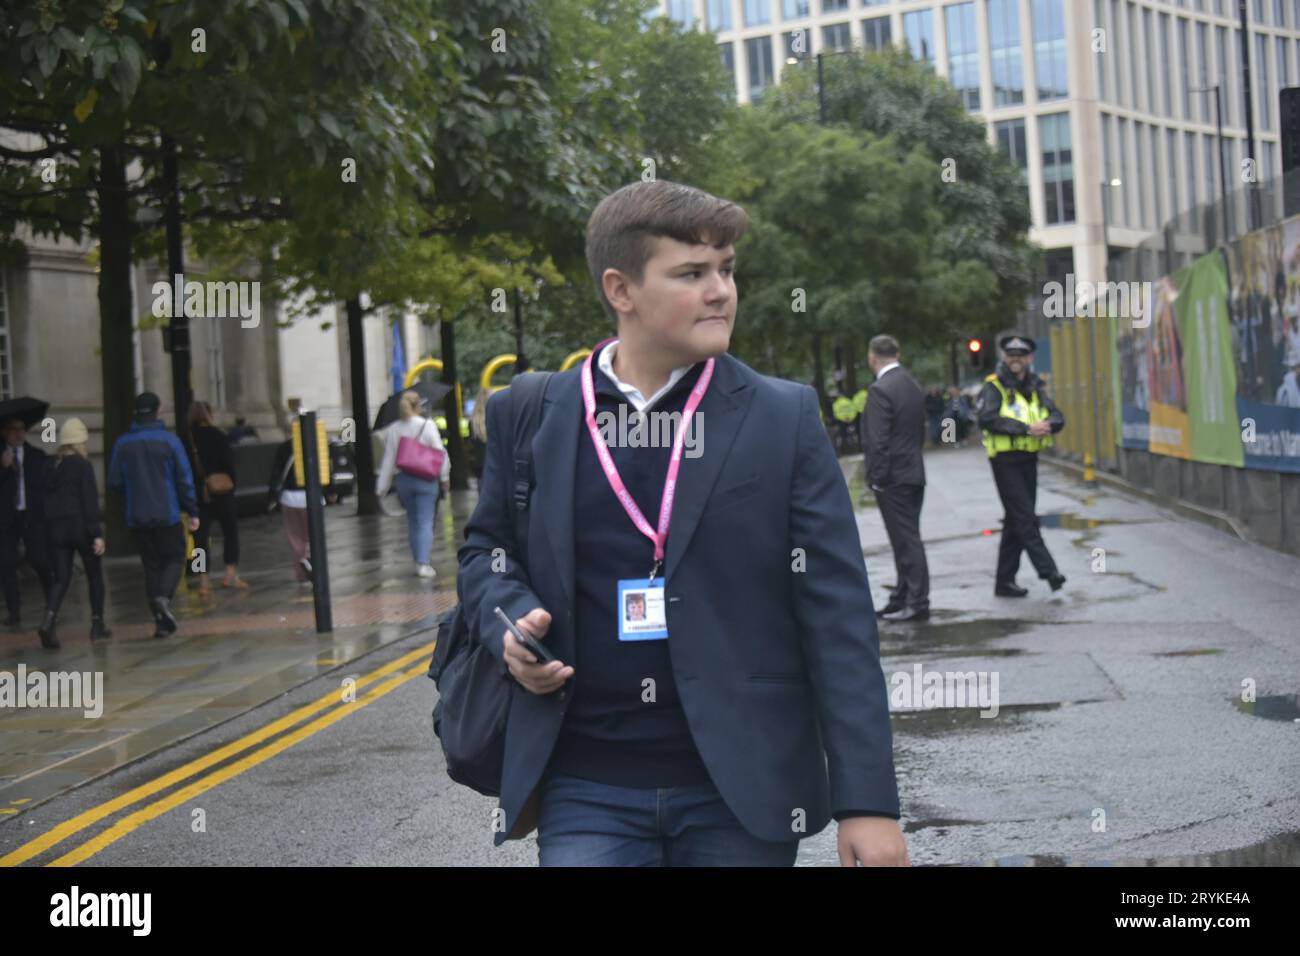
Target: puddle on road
[
  {"x": 1283, "y": 850},
  {"x": 1071, "y": 522},
  {"x": 1197, "y": 652},
  {"x": 937, "y": 634},
  {"x": 938, "y": 824},
  {"x": 946, "y": 720},
  {"x": 1274, "y": 707}
]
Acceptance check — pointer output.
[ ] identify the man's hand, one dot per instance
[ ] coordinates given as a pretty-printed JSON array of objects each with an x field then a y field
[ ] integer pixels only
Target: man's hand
[
  {"x": 192, "y": 524},
  {"x": 871, "y": 841},
  {"x": 1040, "y": 429},
  {"x": 97, "y": 546},
  {"x": 535, "y": 677}
]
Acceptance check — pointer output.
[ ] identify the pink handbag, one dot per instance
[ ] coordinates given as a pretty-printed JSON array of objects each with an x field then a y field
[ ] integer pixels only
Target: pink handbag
[{"x": 418, "y": 460}]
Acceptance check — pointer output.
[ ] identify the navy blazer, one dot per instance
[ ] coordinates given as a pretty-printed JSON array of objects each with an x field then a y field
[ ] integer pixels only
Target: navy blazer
[{"x": 771, "y": 627}]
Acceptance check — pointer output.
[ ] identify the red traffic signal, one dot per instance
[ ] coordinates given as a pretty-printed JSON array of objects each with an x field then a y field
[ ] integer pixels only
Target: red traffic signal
[
  {"x": 974, "y": 345},
  {"x": 975, "y": 349}
]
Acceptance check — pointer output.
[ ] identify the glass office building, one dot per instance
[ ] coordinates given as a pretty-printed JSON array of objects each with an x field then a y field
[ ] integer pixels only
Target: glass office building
[{"x": 1093, "y": 101}]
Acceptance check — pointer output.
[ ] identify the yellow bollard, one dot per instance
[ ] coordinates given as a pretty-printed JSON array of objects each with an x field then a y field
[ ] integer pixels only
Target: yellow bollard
[{"x": 1089, "y": 474}]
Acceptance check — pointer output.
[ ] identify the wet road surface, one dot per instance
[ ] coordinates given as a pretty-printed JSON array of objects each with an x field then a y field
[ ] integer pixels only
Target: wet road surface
[{"x": 1120, "y": 734}]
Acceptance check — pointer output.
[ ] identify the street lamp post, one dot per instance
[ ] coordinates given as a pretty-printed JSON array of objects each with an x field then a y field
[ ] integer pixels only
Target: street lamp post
[
  {"x": 1092, "y": 332},
  {"x": 821, "y": 120},
  {"x": 821, "y": 91},
  {"x": 1217, "y": 89},
  {"x": 1254, "y": 217}
]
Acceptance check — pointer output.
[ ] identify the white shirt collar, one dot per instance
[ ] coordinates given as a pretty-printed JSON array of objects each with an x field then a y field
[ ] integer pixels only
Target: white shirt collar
[
  {"x": 633, "y": 394},
  {"x": 881, "y": 373}
]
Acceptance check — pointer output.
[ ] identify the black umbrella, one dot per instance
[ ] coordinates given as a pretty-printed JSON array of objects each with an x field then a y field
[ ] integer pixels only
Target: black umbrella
[
  {"x": 30, "y": 410},
  {"x": 431, "y": 392}
]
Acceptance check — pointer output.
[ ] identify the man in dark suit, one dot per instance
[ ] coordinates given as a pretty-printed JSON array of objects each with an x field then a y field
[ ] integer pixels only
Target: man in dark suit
[
  {"x": 759, "y": 711},
  {"x": 895, "y": 433},
  {"x": 22, "y": 518}
]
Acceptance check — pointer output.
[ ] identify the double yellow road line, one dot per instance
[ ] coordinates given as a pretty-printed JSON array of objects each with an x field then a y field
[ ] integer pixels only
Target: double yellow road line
[{"x": 385, "y": 679}]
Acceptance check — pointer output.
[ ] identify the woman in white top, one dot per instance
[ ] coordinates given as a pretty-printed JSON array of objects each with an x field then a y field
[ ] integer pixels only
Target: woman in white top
[{"x": 419, "y": 495}]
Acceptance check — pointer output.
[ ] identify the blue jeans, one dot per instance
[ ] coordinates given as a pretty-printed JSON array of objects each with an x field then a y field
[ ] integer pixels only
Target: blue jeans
[
  {"x": 582, "y": 823},
  {"x": 418, "y": 497}
]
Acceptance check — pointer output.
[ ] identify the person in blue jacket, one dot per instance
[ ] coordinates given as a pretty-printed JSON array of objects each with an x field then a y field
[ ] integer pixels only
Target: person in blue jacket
[{"x": 149, "y": 466}]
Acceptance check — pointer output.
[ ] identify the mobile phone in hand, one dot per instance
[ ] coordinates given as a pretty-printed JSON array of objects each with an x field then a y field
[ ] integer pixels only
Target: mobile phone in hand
[{"x": 529, "y": 644}]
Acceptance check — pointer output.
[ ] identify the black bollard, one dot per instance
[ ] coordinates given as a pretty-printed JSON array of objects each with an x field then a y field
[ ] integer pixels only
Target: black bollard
[{"x": 320, "y": 572}]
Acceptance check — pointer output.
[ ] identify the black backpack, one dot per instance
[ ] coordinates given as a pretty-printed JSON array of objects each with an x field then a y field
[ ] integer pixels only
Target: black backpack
[{"x": 473, "y": 686}]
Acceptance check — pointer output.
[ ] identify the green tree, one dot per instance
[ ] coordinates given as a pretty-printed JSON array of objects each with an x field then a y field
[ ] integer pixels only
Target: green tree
[
  {"x": 240, "y": 93},
  {"x": 983, "y": 198}
]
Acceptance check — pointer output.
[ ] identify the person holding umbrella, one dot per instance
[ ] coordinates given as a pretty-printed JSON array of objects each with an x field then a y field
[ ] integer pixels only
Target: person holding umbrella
[
  {"x": 22, "y": 512},
  {"x": 415, "y": 459}
]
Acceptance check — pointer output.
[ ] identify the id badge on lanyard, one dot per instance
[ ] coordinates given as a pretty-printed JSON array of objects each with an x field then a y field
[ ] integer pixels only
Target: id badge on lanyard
[{"x": 641, "y": 610}]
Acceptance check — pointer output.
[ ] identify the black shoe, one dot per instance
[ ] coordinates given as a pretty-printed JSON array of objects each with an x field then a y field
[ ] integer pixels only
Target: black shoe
[
  {"x": 46, "y": 631},
  {"x": 97, "y": 629},
  {"x": 890, "y": 608},
  {"x": 1056, "y": 580},
  {"x": 910, "y": 614},
  {"x": 1010, "y": 590},
  {"x": 162, "y": 614}
]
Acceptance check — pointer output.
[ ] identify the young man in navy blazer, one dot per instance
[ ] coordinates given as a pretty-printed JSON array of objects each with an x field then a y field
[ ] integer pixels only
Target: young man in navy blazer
[{"x": 750, "y": 708}]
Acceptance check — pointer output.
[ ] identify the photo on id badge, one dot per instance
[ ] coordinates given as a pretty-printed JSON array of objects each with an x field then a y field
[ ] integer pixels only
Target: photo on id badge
[{"x": 641, "y": 610}]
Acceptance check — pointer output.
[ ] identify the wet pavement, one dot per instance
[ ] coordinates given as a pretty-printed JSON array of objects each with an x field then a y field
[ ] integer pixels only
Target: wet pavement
[
  {"x": 234, "y": 650},
  {"x": 1120, "y": 737}
]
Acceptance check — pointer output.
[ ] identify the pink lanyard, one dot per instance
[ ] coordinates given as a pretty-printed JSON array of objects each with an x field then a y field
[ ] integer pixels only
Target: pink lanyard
[{"x": 660, "y": 536}]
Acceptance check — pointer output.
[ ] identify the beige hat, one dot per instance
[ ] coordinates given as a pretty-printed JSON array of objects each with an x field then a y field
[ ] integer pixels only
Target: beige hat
[{"x": 74, "y": 432}]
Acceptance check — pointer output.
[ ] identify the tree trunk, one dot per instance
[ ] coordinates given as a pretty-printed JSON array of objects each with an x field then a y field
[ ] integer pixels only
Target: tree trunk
[
  {"x": 179, "y": 324},
  {"x": 851, "y": 367},
  {"x": 117, "y": 353},
  {"x": 521, "y": 360},
  {"x": 367, "y": 503},
  {"x": 451, "y": 409}
]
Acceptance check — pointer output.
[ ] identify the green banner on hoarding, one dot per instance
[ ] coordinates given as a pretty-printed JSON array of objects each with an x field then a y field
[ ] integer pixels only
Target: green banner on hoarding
[{"x": 1202, "y": 307}]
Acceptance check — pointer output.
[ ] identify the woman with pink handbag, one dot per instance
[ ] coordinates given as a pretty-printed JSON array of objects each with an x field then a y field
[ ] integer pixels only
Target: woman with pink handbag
[{"x": 414, "y": 455}]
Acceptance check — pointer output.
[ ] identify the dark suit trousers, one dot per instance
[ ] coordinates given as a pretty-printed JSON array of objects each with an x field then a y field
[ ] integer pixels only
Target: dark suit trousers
[
  {"x": 32, "y": 535},
  {"x": 162, "y": 552},
  {"x": 900, "y": 506},
  {"x": 1016, "y": 476}
]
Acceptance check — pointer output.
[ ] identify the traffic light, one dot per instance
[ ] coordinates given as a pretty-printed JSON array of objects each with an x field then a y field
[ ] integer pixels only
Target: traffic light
[{"x": 975, "y": 349}]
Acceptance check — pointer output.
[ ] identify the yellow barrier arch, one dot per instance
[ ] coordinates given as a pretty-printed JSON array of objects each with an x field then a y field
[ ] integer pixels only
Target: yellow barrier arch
[
  {"x": 573, "y": 358},
  {"x": 490, "y": 370},
  {"x": 413, "y": 373}
]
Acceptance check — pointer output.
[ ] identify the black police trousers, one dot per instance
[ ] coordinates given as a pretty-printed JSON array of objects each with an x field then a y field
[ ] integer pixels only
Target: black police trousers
[{"x": 1016, "y": 475}]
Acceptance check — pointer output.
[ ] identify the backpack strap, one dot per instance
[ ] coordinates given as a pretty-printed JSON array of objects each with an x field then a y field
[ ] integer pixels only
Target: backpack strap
[{"x": 527, "y": 394}]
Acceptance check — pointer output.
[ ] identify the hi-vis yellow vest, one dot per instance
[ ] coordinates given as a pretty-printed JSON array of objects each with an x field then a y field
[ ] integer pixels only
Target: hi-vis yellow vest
[{"x": 1027, "y": 412}]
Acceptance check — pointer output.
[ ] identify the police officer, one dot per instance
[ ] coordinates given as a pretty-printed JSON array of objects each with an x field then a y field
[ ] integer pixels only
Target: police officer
[
  {"x": 1018, "y": 419},
  {"x": 845, "y": 415}
]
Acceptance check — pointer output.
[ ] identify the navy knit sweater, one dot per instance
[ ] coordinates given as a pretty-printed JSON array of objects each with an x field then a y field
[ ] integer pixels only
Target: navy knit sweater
[{"x": 612, "y": 734}]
